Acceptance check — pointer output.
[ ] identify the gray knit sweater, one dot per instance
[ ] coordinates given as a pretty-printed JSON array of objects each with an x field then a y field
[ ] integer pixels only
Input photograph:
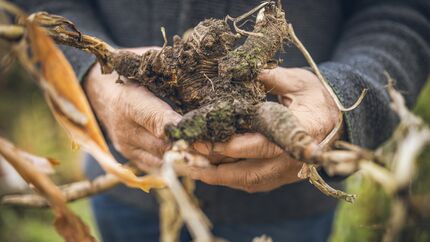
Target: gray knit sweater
[{"x": 354, "y": 42}]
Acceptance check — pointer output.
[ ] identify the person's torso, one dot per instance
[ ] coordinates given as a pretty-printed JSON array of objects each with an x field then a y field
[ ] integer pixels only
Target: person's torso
[{"x": 317, "y": 23}]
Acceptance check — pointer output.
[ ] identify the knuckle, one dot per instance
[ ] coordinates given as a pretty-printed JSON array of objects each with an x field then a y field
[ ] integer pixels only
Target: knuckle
[
  {"x": 154, "y": 123},
  {"x": 269, "y": 150}
]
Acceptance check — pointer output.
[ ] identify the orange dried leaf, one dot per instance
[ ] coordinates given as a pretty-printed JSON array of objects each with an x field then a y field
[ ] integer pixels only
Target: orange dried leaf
[
  {"x": 60, "y": 76},
  {"x": 72, "y": 228},
  {"x": 67, "y": 223}
]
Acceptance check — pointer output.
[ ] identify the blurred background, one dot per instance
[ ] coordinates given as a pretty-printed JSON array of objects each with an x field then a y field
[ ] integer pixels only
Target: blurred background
[{"x": 25, "y": 119}]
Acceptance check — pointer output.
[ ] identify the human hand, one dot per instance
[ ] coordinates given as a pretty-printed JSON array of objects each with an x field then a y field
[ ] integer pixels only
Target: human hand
[
  {"x": 265, "y": 166},
  {"x": 305, "y": 96},
  {"x": 133, "y": 117}
]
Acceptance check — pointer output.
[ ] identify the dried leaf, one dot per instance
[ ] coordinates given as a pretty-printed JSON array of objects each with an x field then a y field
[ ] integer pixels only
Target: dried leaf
[
  {"x": 44, "y": 165},
  {"x": 62, "y": 86},
  {"x": 67, "y": 223},
  {"x": 11, "y": 181},
  {"x": 72, "y": 228}
]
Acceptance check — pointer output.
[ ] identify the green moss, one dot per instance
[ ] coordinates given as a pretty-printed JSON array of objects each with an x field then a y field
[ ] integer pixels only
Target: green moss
[{"x": 190, "y": 129}]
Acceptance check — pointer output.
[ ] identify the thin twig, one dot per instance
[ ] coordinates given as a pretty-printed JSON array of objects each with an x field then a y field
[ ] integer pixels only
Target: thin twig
[
  {"x": 57, "y": 28},
  {"x": 194, "y": 218},
  {"x": 244, "y": 16},
  {"x": 11, "y": 32},
  {"x": 296, "y": 41},
  {"x": 319, "y": 183},
  {"x": 72, "y": 192}
]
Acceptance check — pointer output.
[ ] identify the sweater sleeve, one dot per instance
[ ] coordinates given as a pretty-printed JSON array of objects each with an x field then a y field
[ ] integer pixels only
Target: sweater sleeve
[
  {"x": 80, "y": 12},
  {"x": 384, "y": 36}
]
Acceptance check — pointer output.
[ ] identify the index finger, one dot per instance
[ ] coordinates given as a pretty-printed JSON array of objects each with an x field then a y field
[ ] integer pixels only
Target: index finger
[{"x": 248, "y": 146}]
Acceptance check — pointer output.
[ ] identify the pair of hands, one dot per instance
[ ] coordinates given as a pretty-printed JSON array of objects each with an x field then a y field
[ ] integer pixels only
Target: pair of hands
[{"x": 135, "y": 118}]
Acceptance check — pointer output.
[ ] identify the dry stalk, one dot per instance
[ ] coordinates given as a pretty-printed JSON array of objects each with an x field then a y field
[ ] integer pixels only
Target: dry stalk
[
  {"x": 171, "y": 222},
  {"x": 194, "y": 218},
  {"x": 72, "y": 192},
  {"x": 67, "y": 223}
]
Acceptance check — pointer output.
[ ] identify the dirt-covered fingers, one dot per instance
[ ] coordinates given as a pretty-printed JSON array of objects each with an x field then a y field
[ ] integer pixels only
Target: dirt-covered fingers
[
  {"x": 249, "y": 145},
  {"x": 251, "y": 175},
  {"x": 139, "y": 137},
  {"x": 143, "y": 160}
]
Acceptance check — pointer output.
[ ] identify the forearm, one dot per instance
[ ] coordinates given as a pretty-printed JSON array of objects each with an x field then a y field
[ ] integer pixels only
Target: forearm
[{"x": 393, "y": 38}]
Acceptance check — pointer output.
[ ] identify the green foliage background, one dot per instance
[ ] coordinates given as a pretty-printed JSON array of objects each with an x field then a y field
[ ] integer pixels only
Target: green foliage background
[{"x": 365, "y": 219}]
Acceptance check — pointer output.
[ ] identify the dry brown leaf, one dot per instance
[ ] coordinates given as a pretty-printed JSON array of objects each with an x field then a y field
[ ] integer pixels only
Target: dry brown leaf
[
  {"x": 67, "y": 223},
  {"x": 12, "y": 182},
  {"x": 57, "y": 71},
  {"x": 71, "y": 108},
  {"x": 72, "y": 228}
]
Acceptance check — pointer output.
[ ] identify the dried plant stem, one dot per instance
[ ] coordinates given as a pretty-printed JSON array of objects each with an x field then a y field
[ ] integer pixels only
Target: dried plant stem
[
  {"x": 56, "y": 27},
  {"x": 319, "y": 183},
  {"x": 171, "y": 222},
  {"x": 67, "y": 223},
  {"x": 296, "y": 41},
  {"x": 11, "y": 8},
  {"x": 398, "y": 216},
  {"x": 27, "y": 170},
  {"x": 71, "y": 192},
  {"x": 11, "y": 32},
  {"x": 194, "y": 218}
]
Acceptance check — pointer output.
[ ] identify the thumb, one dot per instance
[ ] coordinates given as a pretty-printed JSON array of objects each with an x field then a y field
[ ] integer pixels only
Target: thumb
[{"x": 281, "y": 80}]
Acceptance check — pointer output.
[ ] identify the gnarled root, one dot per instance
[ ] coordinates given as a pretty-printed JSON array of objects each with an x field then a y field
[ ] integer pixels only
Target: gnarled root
[{"x": 278, "y": 124}]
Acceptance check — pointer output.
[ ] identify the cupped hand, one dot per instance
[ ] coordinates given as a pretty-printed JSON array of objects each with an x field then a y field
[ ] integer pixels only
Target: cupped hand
[
  {"x": 263, "y": 166},
  {"x": 133, "y": 117},
  {"x": 306, "y": 97}
]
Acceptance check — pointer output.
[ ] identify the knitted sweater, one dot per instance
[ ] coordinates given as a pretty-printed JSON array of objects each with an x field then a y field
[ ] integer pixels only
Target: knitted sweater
[{"x": 353, "y": 41}]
